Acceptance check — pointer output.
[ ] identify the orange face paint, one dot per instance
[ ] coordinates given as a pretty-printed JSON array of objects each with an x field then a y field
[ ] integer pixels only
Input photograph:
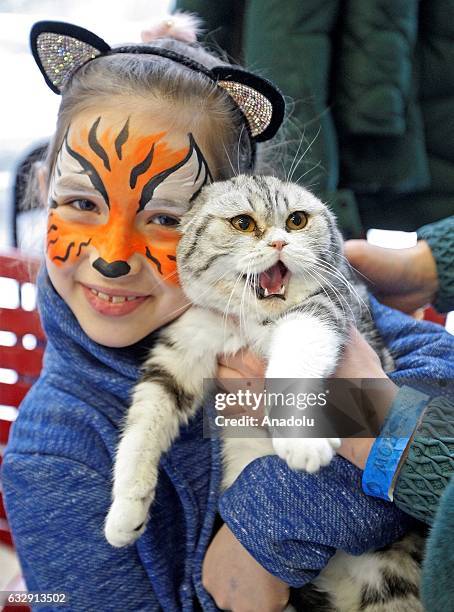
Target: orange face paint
[{"x": 129, "y": 173}]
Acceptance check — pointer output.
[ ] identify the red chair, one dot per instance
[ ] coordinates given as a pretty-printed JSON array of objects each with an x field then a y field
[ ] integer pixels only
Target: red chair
[{"x": 20, "y": 360}]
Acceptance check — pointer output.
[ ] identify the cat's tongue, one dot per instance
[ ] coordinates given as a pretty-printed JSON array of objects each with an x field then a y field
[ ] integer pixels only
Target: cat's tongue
[{"x": 272, "y": 278}]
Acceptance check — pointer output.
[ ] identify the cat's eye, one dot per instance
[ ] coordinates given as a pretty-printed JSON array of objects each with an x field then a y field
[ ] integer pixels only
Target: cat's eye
[
  {"x": 165, "y": 220},
  {"x": 243, "y": 223},
  {"x": 296, "y": 220},
  {"x": 84, "y": 205}
]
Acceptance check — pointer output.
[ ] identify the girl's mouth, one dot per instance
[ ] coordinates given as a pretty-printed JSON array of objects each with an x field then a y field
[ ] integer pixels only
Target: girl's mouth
[{"x": 110, "y": 304}]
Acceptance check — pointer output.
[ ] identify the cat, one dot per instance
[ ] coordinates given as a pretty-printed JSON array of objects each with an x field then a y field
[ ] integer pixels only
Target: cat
[{"x": 269, "y": 254}]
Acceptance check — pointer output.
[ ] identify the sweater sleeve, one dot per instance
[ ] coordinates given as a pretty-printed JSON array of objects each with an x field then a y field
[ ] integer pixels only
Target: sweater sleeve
[
  {"x": 429, "y": 464},
  {"x": 56, "y": 507},
  {"x": 440, "y": 236},
  {"x": 293, "y": 522}
]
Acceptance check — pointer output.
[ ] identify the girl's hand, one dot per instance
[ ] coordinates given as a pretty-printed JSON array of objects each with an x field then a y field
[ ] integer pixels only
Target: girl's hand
[
  {"x": 405, "y": 279},
  {"x": 236, "y": 581}
]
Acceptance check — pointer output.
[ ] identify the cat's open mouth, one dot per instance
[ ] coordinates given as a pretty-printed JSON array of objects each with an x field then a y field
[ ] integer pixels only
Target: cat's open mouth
[{"x": 271, "y": 282}]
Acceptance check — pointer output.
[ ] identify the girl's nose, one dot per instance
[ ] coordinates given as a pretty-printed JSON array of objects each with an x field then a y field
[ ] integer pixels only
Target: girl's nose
[{"x": 112, "y": 269}]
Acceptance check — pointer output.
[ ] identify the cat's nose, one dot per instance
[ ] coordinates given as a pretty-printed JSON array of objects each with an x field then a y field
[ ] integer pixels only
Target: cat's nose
[{"x": 278, "y": 244}]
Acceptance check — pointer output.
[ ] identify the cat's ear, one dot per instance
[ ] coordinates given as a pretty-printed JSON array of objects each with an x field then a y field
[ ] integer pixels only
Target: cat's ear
[
  {"x": 61, "y": 48},
  {"x": 260, "y": 101}
]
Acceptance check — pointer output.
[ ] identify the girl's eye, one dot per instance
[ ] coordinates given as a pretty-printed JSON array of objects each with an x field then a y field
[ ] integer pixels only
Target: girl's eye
[
  {"x": 243, "y": 223},
  {"x": 84, "y": 205},
  {"x": 297, "y": 220},
  {"x": 166, "y": 220}
]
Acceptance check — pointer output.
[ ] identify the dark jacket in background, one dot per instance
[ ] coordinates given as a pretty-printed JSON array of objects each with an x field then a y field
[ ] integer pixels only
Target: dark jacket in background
[{"x": 373, "y": 87}]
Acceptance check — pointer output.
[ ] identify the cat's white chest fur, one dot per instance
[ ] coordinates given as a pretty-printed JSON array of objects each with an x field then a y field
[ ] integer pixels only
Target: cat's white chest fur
[{"x": 277, "y": 343}]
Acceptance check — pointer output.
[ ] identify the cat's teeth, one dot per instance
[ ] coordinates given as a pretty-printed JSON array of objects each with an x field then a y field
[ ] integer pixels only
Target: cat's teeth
[
  {"x": 116, "y": 299},
  {"x": 282, "y": 290},
  {"x": 266, "y": 292}
]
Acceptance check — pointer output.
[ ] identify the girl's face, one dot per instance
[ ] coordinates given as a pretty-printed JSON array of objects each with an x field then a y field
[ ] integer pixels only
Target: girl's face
[{"x": 120, "y": 184}]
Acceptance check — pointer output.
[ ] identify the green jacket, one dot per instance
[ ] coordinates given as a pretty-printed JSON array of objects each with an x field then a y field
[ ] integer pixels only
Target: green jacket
[{"x": 372, "y": 84}]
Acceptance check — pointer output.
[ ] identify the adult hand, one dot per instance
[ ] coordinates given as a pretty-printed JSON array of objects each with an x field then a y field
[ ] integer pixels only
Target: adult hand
[
  {"x": 236, "y": 581},
  {"x": 234, "y": 370},
  {"x": 361, "y": 361},
  {"x": 405, "y": 279}
]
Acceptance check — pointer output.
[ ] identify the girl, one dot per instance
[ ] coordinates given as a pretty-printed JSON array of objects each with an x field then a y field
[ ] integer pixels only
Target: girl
[{"x": 140, "y": 130}]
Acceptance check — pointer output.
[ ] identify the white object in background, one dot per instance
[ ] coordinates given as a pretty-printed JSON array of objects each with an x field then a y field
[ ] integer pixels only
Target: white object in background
[
  {"x": 10, "y": 569},
  {"x": 391, "y": 239},
  {"x": 450, "y": 322},
  {"x": 31, "y": 231}
]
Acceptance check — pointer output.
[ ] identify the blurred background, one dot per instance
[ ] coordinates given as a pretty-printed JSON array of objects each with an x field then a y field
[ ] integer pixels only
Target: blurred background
[{"x": 27, "y": 106}]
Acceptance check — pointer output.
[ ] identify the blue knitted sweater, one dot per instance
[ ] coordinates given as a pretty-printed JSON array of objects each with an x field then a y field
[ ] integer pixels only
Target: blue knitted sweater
[{"x": 57, "y": 481}]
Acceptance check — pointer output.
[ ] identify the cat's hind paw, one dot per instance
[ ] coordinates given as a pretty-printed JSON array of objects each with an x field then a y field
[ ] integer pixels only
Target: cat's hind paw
[
  {"x": 126, "y": 520},
  {"x": 308, "y": 454}
]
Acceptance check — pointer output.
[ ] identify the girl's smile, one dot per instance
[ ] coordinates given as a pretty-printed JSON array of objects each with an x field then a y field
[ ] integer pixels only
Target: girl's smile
[{"x": 113, "y": 302}]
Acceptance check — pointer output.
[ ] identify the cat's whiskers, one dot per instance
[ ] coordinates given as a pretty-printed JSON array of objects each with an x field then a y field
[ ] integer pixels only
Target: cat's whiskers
[
  {"x": 225, "y": 313},
  {"x": 309, "y": 258},
  {"x": 338, "y": 274},
  {"x": 287, "y": 178},
  {"x": 229, "y": 160},
  {"x": 203, "y": 293},
  {"x": 336, "y": 290},
  {"x": 317, "y": 165},
  {"x": 238, "y": 149},
  {"x": 311, "y": 272},
  {"x": 366, "y": 278},
  {"x": 341, "y": 299},
  {"x": 303, "y": 154},
  {"x": 255, "y": 259},
  {"x": 169, "y": 275},
  {"x": 242, "y": 315}
]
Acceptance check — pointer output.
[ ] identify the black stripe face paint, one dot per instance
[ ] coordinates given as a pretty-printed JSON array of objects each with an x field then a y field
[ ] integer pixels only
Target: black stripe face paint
[{"x": 133, "y": 175}]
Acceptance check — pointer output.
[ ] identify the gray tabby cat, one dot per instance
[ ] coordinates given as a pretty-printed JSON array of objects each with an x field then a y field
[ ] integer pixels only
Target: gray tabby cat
[{"x": 270, "y": 254}]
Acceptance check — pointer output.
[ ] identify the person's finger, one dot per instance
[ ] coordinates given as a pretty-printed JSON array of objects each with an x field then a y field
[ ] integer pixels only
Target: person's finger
[
  {"x": 244, "y": 361},
  {"x": 382, "y": 268},
  {"x": 405, "y": 303}
]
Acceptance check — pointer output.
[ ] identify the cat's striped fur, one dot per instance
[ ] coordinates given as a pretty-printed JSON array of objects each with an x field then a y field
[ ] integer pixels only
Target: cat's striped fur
[{"x": 283, "y": 278}]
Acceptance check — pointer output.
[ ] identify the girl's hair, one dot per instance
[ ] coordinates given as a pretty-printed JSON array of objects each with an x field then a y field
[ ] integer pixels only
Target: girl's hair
[{"x": 153, "y": 78}]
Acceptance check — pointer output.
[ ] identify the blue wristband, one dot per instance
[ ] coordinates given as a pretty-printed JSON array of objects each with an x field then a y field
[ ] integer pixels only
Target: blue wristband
[{"x": 389, "y": 447}]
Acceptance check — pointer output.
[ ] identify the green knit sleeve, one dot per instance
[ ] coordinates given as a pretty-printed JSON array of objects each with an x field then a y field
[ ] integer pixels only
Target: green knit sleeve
[
  {"x": 430, "y": 462},
  {"x": 440, "y": 236}
]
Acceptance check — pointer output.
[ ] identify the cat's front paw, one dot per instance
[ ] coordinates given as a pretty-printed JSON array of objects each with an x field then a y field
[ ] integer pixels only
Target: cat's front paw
[
  {"x": 126, "y": 520},
  {"x": 308, "y": 454}
]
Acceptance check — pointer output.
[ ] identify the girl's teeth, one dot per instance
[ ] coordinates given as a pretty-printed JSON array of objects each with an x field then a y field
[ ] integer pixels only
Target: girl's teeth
[{"x": 114, "y": 299}]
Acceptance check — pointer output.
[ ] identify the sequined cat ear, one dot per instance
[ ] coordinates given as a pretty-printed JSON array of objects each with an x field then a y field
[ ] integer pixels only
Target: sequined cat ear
[
  {"x": 61, "y": 48},
  {"x": 260, "y": 101}
]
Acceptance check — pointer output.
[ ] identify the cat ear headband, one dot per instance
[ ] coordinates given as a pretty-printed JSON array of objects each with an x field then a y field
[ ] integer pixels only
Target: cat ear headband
[{"x": 60, "y": 49}]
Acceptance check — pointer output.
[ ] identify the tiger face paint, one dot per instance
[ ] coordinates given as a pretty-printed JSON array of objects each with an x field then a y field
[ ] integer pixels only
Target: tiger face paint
[
  {"x": 133, "y": 175},
  {"x": 120, "y": 183}
]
